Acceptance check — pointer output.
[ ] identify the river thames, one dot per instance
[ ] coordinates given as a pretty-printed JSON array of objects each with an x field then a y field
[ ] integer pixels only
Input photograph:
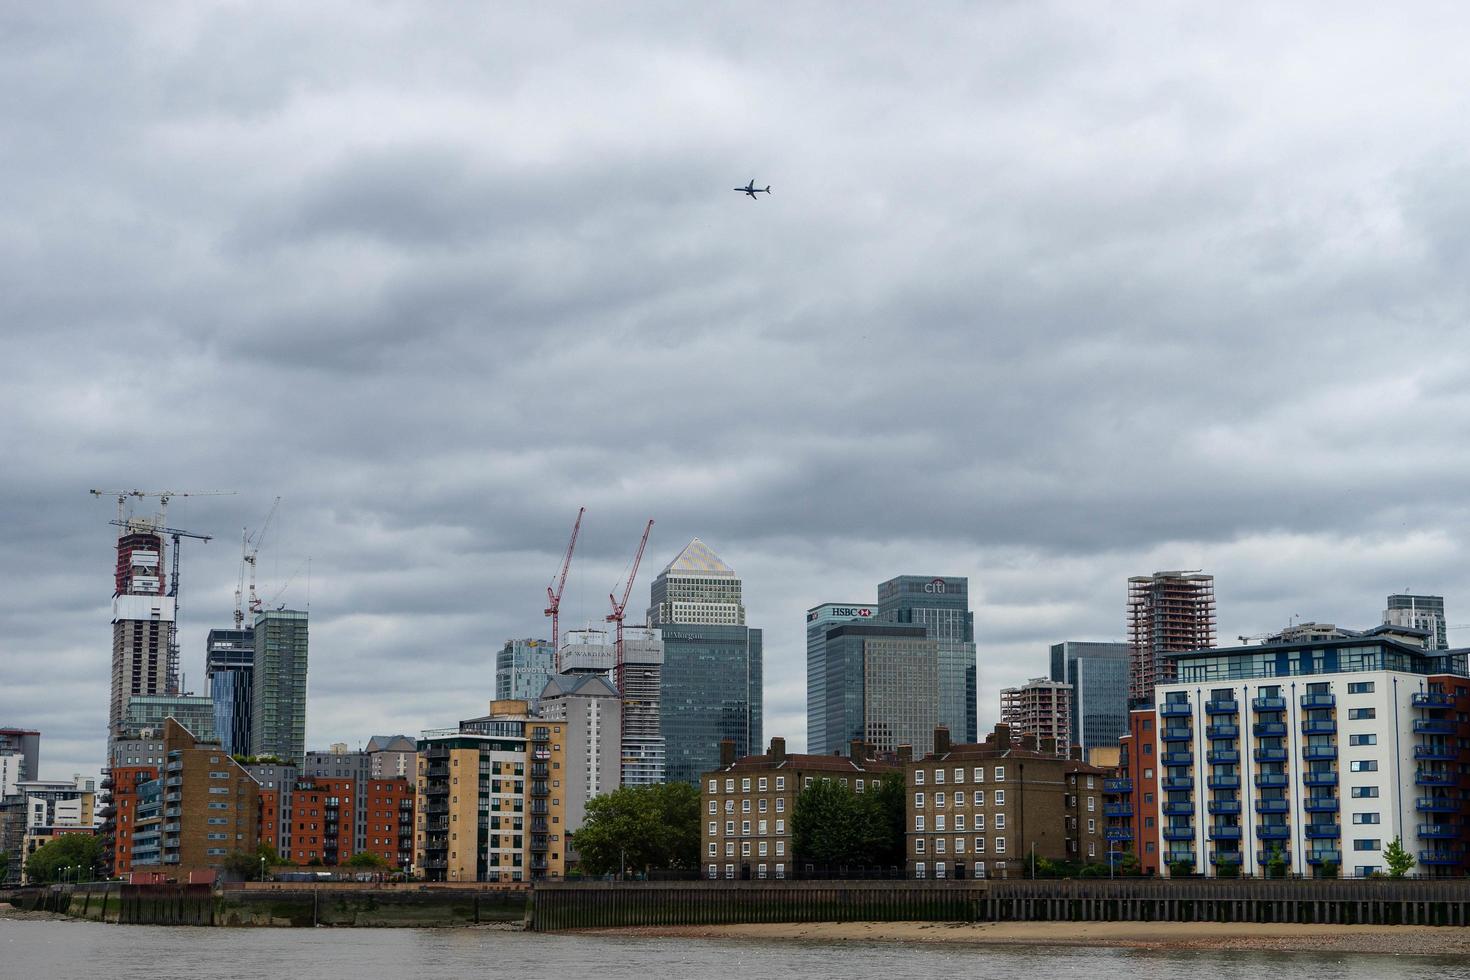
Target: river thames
[{"x": 62, "y": 950}]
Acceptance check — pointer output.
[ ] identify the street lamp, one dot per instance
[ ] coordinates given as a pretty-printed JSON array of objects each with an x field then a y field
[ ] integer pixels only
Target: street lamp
[
  {"x": 1033, "y": 860},
  {"x": 262, "y": 867},
  {"x": 1112, "y": 858}
]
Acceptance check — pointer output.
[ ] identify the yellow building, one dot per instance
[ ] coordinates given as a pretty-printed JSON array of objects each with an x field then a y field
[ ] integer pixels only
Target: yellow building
[{"x": 491, "y": 799}]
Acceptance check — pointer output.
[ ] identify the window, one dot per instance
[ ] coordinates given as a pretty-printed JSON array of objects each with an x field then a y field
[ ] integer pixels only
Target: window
[
  {"x": 1000, "y": 821},
  {"x": 1000, "y": 845},
  {"x": 979, "y": 797},
  {"x": 729, "y": 848},
  {"x": 1363, "y": 765},
  {"x": 1367, "y": 844},
  {"x": 745, "y": 785},
  {"x": 959, "y": 821},
  {"x": 919, "y": 869},
  {"x": 761, "y": 872},
  {"x": 959, "y": 775},
  {"x": 729, "y": 871},
  {"x": 729, "y": 786},
  {"x": 979, "y": 844},
  {"x": 1365, "y": 818},
  {"x": 712, "y": 851},
  {"x": 1361, "y": 714},
  {"x": 714, "y": 785},
  {"x": 938, "y": 821},
  {"x": 729, "y": 827},
  {"x": 1365, "y": 792},
  {"x": 760, "y": 828},
  {"x": 979, "y": 821},
  {"x": 714, "y": 871},
  {"x": 978, "y": 775},
  {"x": 1148, "y": 748},
  {"x": 918, "y": 777},
  {"x": 714, "y": 806},
  {"x": 1089, "y": 782},
  {"x": 780, "y": 848},
  {"x": 1369, "y": 739},
  {"x": 918, "y": 801},
  {"x": 1091, "y": 804},
  {"x": 939, "y": 799},
  {"x": 1360, "y": 687},
  {"x": 780, "y": 782},
  {"x": 918, "y": 821},
  {"x": 1000, "y": 774},
  {"x": 729, "y": 806},
  {"x": 1000, "y": 797},
  {"x": 745, "y": 848},
  {"x": 780, "y": 826},
  {"x": 939, "y": 847},
  {"x": 780, "y": 805},
  {"x": 745, "y": 826},
  {"x": 1091, "y": 825},
  {"x": 761, "y": 784},
  {"x": 714, "y": 827},
  {"x": 859, "y": 787},
  {"x": 919, "y": 846},
  {"x": 959, "y": 845}
]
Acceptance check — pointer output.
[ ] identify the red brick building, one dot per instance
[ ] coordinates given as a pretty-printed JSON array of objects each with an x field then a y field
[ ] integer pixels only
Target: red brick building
[
  {"x": 389, "y": 831},
  {"x": 322, "y": 820},
  {"x": 119, "y": 815}
]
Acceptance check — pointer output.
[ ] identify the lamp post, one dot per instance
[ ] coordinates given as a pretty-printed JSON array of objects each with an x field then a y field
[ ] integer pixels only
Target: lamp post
[
  {"x": 1112, "y": 858},
  {"x": 1033, "y": 860},
  {"x": 262, "y": 867}
]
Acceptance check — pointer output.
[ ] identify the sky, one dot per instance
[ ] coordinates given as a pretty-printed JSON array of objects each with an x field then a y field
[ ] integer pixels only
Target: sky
[{"x": 1044, "y": 295}]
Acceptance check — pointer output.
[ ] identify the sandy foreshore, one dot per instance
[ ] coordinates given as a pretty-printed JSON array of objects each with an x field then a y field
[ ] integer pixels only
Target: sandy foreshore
[{"x": 1389, "y": 940}]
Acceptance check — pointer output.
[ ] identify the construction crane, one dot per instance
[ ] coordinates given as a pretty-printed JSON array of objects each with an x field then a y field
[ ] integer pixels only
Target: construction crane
[
  {"x": 247, "y": 557},
  {"x": 171, "y": 677},
  {"x": 616, "y": 616},
  {"x": 553, "y": 596},
  {"x": 164, "y": 496}
]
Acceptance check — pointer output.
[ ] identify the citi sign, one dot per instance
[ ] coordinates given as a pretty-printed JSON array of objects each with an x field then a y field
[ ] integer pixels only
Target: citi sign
[{"x": 935, "y": 587}]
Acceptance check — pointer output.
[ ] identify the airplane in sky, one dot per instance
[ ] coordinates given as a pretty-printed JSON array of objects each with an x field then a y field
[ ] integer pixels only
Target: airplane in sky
[{"x": 753, "y": 190}]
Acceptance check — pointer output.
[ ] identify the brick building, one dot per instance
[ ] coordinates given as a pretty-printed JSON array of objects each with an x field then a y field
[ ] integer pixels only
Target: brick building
[
  {"x": 389, "y": 830},
  {"x": 322, "y": 820}
]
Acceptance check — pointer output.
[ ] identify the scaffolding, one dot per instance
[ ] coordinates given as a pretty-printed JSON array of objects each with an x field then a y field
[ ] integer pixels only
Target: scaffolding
[
  {"x": 1041, "y": 707},
  {"x": 1167, "y": 611}
]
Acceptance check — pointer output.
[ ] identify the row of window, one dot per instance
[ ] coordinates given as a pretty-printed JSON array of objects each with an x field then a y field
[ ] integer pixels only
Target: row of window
[
  {"x": 977, "y": 776},
  {"x": 959, "y": 822},
  {"x": 956, "y": 845},
  {"x": 745, "y": 846},
  {"x": 713, "y": 871},
  {"x": 745, "y": 828},
  {"x": 978, "y": 797},
  {"x": 745, "y": 805}
]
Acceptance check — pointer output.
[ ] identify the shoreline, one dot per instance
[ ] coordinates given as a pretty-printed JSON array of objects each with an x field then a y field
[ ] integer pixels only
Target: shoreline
[{"x": 1255, "y": 937}]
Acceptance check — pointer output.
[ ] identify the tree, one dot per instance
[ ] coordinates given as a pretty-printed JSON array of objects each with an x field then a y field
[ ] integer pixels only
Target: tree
[
  {"x": 641, "y": 828},
  {"x": 70, "y": 856},
  {"x": 366, "y": 859},
  {"x": 250, "y": 866},
  {"x": 882, "y": 812},
  {"x": 1276, "y": 864},
  {"x": 4, "y": 864},
  {"x": 1400, "y": 862},
  {"x": 827, "y": 825}
]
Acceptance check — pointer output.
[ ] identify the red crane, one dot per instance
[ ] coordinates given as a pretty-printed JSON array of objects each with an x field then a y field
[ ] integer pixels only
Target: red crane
[
  {"x": 616, "y": 616},
  {"x": 553, "y": 597}
]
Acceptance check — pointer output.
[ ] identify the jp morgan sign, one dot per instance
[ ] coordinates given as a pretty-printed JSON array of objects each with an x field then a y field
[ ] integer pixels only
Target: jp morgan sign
[{"x": 823, "y": 614}]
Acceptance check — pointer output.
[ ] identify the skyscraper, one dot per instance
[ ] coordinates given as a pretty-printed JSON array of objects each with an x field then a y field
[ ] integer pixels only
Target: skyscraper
[
  {"x": 711, "y": 678},
  {"x": 141, "y": 619},
  {"x": 942, "y": 607},
  {"x": 882, "y": 687},
  {"x": 592, "y": 651},
  {"x": 522, "y": 668},
  {"x": 1098, "y": 673},
  {"x": 278, "y": 698},
  {"x": 229, "y": 663},
  {"x": 1167, "y": 611},
  {"x": 1420, "y": 612},
  {"x": 819, "y": 622}
]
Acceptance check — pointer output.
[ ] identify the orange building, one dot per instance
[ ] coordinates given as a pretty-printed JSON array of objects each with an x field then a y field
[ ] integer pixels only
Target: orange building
[
  {"x": 322, "y": 825},
  {"x": 120, "y": 814},
  {"x": 1132, "y": 808},
  {"x": 389, "y": 830}
]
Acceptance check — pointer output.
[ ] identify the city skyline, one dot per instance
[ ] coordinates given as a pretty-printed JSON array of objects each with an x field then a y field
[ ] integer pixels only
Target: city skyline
[{"x": 1031, "y": 303}]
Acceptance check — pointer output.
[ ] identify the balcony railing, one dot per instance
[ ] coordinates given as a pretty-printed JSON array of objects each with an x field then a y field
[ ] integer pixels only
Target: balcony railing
[
  {"x": 1177, "y": 809},
  {"x": 1222, "y": 731},
  {"x": 1117, "y": 785},
  {"x": 1319, "y": 700},
  {"x": 1175, "y": 709},
  {"x": 1224, "y": 807},
  {"x": 1272, "y": 806},
  {"x": 1310, "y": 727},
  {"x": 1117, "y": 810},
  {"x": 1320, "y": 804},
  {"x": 1268, "y": 704},
  {"x": 1319, "y": 753},
  {"x": 1272, "y": 831},
  {"x": 1319, "y": 778},
  {"x": 1269, "y": 729},
  {"x": 1225, "y": 857},
  {"x": 1179, "y": 833},
  {"x": 1270, "y": 755},
  {"x": 1222, "y": 707},
  {"x": 1177, "y": 782},
  {"x": 1177, "y": 758},
  {"x": 1224, "y": 832},
  {"x": 1323, "y": 856},
  {"x": 1177, "y": 734},
  {"x": 1317, "y": 831},
  {"x": 1434, "y": 726},
  {"x": 1439, "y": 857},
  {"x": 1436, "y": 804},
  {"x": 1431, "y": 699},
  {"x": 1118, "y": 833},
  {"x": 1223, "y": 782},
  {"x": 1438, "y": 753},
  {"x": 1438, "y": 830},
  {"x": 1222, "y": 757},
  {"x": 1427, "y": 777}
]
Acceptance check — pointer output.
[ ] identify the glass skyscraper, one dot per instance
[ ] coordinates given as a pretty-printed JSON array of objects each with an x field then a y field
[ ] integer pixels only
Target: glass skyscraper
[
  {"x": 278, "y": 701},
  {"x": 710, "y": 687},
  {"x": 819, "y": 622},
  {"x": 882, "y": 681},
  {"x": 1098, "y": 673},
  {"x": 522, "y": 668},
  {"x": 942, "y": 607},
  {"x": 229, "y": 663}
]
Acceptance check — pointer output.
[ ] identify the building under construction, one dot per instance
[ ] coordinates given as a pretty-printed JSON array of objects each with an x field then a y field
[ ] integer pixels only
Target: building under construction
[
  {"x": 142, "y": 621},
  {"x": 1166, "y": 611},
  {"x": 1040, "y": 707}
]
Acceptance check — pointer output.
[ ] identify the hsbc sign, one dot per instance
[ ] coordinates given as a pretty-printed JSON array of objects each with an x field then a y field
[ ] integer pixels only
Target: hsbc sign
[{"x": 823, "y": 613}]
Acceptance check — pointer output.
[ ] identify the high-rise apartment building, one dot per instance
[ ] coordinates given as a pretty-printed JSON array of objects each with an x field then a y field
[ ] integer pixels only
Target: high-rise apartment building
[
  {"x": 942, "y": 607},
  {"x": 142, "y": 621},
  {"x": 711, "y": 677},
  {"x": 820, "y": 621},
  {"x": 133, "y": 761},
  {"x": 1040, "y": 707},
  {"x": 278, "y": 680},
  {"x": 522, "y": 668},
  {"x": 1098, "y": 673},
  {"x": 229, "y": 664},
  {"x": 1167, "y": 612},
  {"x": 25, "y": 745},
  {"x": 590, "y": 716},
  {"x": 1420, "y": 612},
  {"x": 643, "y": 752},
  {"x": 882, "y": 687}
]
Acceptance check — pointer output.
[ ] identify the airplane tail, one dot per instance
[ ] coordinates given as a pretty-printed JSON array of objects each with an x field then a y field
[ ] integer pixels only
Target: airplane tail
[{"x": 768, "y": 188}]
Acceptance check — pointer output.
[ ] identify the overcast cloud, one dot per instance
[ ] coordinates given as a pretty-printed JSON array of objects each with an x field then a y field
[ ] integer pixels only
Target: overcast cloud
[{"x": 1044, "y": 295}]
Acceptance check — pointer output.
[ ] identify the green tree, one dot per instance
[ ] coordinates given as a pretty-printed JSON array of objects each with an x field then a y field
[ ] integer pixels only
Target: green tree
[
  {"x": 882, "y": 813},
  {"x": 4, "y": 864},
  {"x": 827, "y": 825},
  {"x": 1276, "y": 864},
  {"x": 367, "y": 859},
  {"x": 641, "y": 828},
  {"x": 1400, "y": 862},
  {"x": 69, "y": 857}
]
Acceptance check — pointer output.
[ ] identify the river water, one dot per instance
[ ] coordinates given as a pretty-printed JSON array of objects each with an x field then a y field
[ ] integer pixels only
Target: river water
[{"x": 61, "y": 950}]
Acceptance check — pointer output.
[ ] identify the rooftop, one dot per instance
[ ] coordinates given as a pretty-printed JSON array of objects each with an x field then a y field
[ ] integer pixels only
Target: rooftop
[{"x": 698, "y": 559}]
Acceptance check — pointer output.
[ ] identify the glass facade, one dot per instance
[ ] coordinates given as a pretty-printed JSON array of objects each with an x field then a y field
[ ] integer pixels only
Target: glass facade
[
  {"x": 882, "y": 681},
  {"x": 1330, "y": 657},
  {"x": 942, "y": 607},
  {"x": 711, "y": 691},
  {"x": 229, "y": 663},
  {"x": 819, "y": 622},
  {"x": 150, "y": 712},
  {"x": 278, "y": 703},
  {"x": 1098, "y": 673},
  {"x": 522, "y": 668}
]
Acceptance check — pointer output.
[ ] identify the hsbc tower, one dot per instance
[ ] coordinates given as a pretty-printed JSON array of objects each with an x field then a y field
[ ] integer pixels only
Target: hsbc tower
[{"x": 819, "y": 621}]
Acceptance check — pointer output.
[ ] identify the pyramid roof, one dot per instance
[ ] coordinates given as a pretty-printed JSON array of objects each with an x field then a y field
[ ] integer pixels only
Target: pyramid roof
[{"x": 698, "y": 559}]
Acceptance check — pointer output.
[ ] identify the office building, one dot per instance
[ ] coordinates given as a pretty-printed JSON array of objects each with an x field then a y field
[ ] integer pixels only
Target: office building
[
  {"x": 1167, "y": 612},
  {"x": 589, "y": 714},
  {"x": 1315, "y": 754},
  {"x": 984, "y": 809},
  {"x": 882, "y": 686},
  {"x": 278, "y": 680},
  {"x": 142, "y": 621},
  {"x": 711, "y": 677},
  {"x": 942, "y": 606},
  {"x": 522, "y": 668},
  {"x": 24, "y": 744},
  {"x": 1098, "y": 673},
  {"x": 747, "y": 804},
  {"x": 229, "y": 664},
  {"x": 146, "y": 714},
  {"x": 512, "y": 827},
  {"x": 1040, "y": 707},
  {"x": 1420, "y": 612},
  {"x": 820, "y": 620}
]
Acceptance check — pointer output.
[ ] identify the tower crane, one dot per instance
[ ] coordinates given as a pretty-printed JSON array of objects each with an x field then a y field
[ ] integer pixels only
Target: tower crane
[
  {"x": 553, "y": 596},
  {"x": 164, "y": 496},
  {"x": 616, "y": 616},
  {"x": 247, "y": 557}
]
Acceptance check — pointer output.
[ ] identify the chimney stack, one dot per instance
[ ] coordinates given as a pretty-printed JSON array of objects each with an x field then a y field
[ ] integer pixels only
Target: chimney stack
[
  {"x": 778, "y": 749},
  {"x": 941, "y": 740},
  {"x": 905, "y": 753},
  {"x": 727, "y": 753},
  {"x": 1049, "y": 744},
  {"x": 857, "y": 750}
]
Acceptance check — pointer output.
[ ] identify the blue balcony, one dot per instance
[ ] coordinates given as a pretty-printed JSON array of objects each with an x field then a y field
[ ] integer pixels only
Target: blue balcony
[
  {"x": 1426, "y": 777},
  {"x": 1272, "y": 806},
  {"x": 1319, "y": 753},
  {"x": 1117, "y": 810},
  {"x": 1225, "y": 857},
  {"x": 1270, "y": 779},
  {"x": 1438, "y": 830},
  {"x": 1434, "y": 726},
  {"x": 1118, "y": 833},
  {"x": 1185, "y": 832},
  {"x": 1224, "y": 807},
  {"x": 1223, "y": 782},
  {"x": 1177, "y": 782},
  {"x": 1270, "y": 755},
  {"x": 1432, "y": 699},
  {"x": 1317, "y": 831},
  {"x": 1177, "y": 734},
  {"x": 1222, "y": 757},
  {"x": 1438, "y": 753},
  {"x": 1436, "y": 804},
  {"x": 1177, "y": 758},
  {"x": 1269, "y": 729},
  {"x": 1222, "y": 832},
  {"x": 1269, "y": 704},
  {"x": 1310, "y": 727},
  {"x": 1272, "y": 831},
  {"x": 1319, "y": 779},
  {"x": 1320, "y": 804},
  {"x": 1319, "y": 700},
  {"x": 1175, "y": 709},
  {"x": 1264, "y": 857},
  {"x": 1178, "y": 809},
  {"x": 1222, "y": 707},
  {"x": 1323, "y": 856},
  {"x": 1439, "y": 857},
  {"x": 1117, "y": 785},
  {"x": 1222, "y": 731}
]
